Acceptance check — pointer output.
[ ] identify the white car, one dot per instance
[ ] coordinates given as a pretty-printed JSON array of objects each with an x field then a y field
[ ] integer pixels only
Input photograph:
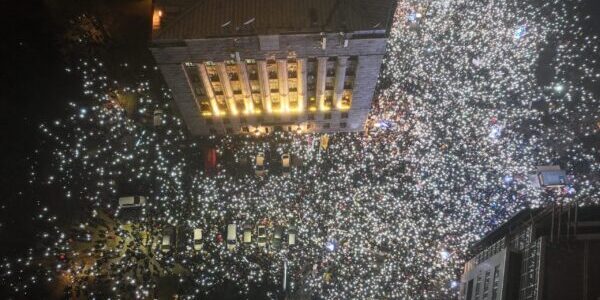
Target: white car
[
  {"x": 291, "y": 235},
  {"x": 262, "y": 236},
  {"x": 165, "y": 245},
  {"x": 132, "y": 201},
  {"x": 231, "y": 237},
  {"x": 197, "y": 239},
  {"x": 286, "y": 164},
  {"x": 260, "y": 164},
  {"x": 247, "y": 235}
]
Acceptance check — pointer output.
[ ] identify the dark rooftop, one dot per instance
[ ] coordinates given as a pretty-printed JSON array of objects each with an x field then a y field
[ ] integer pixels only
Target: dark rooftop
[
  {"x": 188, "y": 19},
  {"x": 515, "y": 221}
]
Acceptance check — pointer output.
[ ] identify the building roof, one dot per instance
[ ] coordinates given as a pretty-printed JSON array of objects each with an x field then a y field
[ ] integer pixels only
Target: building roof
[
  {"x": 538, "y": 216},
  {"x": 514, "y": 222},
  {"x": 187, "y": 19}
]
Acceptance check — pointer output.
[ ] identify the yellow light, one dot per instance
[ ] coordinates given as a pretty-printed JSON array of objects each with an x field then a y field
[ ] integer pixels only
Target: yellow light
[
  {"x": 312, "y": 108},
  {"x": 207, "y": 113},
  {"x": 156, "y": 16}
]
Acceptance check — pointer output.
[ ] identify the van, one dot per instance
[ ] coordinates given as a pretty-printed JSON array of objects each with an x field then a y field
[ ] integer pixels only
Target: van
[
  {"x": 260, "y": 168},
  {"x": 157, "y": 120},
  {"x": 292, "y": 235},
  {"x": 165, "y": 245},
  {"x": 247, "y": 235},
  {"x": 277, "y": 237},
  {"x": 231, "y": 237},
  {"x": 132, "y": 201},
  {"x": 262, "y": 236},
  {"x": 286, "y": 167},
  {"x": 197, "y": 239}
]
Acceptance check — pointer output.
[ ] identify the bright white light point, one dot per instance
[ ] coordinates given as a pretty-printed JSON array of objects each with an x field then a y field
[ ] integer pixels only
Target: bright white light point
[
  {"x": 445, "y": 254},
  {"x": 330, "y": 246},
  {"x": 559, "y": 88}
]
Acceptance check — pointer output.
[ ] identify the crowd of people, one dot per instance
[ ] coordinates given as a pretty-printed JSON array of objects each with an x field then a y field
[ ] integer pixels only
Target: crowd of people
[{"x": 459, "y": 120}]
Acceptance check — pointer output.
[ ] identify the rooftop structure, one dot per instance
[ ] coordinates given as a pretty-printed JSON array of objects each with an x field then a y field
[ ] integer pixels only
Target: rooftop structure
[{"x": 551, "y": 253}]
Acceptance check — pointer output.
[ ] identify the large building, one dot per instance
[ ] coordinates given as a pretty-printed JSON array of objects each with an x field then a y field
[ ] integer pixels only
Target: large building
[
  {"x": 551, "y": 253},
  {"x": 258, "y": 66}
]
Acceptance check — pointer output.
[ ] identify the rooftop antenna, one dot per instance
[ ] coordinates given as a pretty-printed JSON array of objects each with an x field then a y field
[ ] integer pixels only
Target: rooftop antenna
[
  {"x": 248, "y": 22},
  {"x": 226, "y": 27}
]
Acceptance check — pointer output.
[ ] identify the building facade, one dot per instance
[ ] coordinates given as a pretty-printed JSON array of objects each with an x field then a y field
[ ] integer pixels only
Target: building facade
[
  {"x": 551, "y": 253},
  {"x": 255, "y": 67}
]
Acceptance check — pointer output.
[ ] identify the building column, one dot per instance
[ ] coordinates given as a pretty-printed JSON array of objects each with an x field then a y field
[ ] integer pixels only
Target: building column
[
  {"x": 222, "y": 70},
  {"x": 283, "y": 84},
  {"x": 263, "y": 77},
  {"x": 340, "y": 76},
  {"x": 246, "y": 90},
  {"x": 321, "y": 77},
  {"x": 302, "y": 96},
  {"x": 209, "y": 90}
]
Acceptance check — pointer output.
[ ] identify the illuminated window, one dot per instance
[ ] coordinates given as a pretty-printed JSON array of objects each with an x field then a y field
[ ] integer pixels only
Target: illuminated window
[{"x": 156, "y": 16}]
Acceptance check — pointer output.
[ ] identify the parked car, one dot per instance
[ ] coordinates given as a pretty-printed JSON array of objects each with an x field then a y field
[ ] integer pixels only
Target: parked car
[
  {"x": 259, "y": 167},
  {"x": 277, "y": 237},
  {"x": 165, "y": 244},
  {"x": 231, "y": 237},
  {"x": 157, "y": 120},
  {"x": 292, "y": 235},
  {"x": 247, "y": 235},
  {"x": 132, "y": 201},
  {"x": 262, "y": 235},
  {"x": 167, "y": 239},
  {"x": 286, "y": 166},
  {"x": 197, "y": 239}
]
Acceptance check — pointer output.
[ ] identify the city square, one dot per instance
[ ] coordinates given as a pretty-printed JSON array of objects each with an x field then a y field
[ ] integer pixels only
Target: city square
[{"x": 147, "y": 188}]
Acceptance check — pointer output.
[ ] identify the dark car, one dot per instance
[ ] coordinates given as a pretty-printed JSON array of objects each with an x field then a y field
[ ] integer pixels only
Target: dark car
[{"x": 277, "y": 238}]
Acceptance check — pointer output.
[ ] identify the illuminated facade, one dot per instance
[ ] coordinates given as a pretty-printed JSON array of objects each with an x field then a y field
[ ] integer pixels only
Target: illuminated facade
[{"x": 238, "y": 67}]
